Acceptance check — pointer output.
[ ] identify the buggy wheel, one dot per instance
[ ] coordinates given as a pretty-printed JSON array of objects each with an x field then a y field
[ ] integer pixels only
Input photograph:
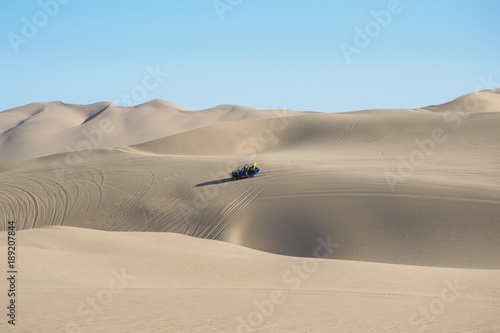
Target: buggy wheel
[
  {"x": 235, "y": 177},
  {"x": 251, "y": 175}
]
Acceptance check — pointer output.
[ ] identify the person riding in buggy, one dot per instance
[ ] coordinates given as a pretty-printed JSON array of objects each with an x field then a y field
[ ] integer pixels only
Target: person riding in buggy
[{"x": 244, "y": 171}]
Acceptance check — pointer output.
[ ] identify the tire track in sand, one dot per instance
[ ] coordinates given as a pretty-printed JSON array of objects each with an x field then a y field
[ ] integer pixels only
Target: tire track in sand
[
  {"x": 140, "y": 191},
  {"x": 221, "y": 219},
  {"x": 347, "y": 130}
]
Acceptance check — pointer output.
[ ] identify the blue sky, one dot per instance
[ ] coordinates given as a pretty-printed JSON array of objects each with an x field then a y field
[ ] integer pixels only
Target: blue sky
[{"x": 262, "y": 53}]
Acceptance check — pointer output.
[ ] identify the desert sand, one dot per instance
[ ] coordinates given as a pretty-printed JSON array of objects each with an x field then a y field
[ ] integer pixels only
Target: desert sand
[{"x": 366, "y": 221}]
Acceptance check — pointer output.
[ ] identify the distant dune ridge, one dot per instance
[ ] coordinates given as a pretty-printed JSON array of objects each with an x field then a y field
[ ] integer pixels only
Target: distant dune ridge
[
  {"x": 41, "y": 129},
  {"x": 407, "y": 199},
  {"x": 481, "y": 101}
]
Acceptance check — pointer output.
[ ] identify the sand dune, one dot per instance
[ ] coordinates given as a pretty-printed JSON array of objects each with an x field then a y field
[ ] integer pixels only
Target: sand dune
[
  {"x": 381, "y": 182},
  {"x": 408, "y": 199},
  {"x": 41, "y": 129},
  {"x": 95, "y": 281},
  {"x": 370, "y": 129},
  {"x": 481, "y": 101}
]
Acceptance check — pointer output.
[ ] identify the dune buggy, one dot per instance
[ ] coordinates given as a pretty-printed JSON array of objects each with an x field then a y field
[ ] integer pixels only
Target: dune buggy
[{"x": 245, "y": 171}]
